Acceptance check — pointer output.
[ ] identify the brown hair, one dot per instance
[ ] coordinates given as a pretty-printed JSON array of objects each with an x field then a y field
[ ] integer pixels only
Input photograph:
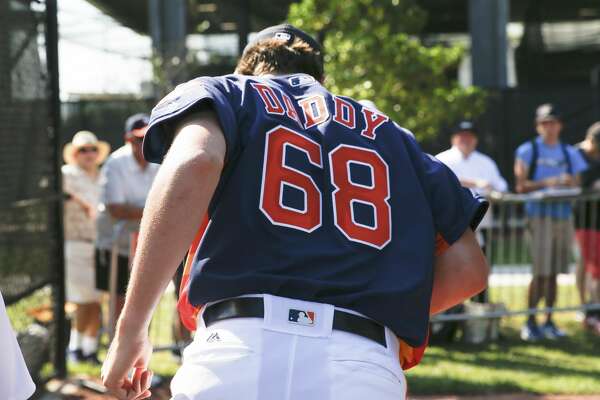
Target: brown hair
[
  {"x": 593, "y": 133},
  {"x": 276, "y": 56}
]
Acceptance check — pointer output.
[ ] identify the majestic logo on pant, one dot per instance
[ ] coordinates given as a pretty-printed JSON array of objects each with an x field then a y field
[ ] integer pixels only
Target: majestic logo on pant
[
  {"x": 214, "y": 337},
  {"x": 301, "y": 317}
]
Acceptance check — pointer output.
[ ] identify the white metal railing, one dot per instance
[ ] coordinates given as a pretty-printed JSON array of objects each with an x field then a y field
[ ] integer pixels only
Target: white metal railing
[{"x": 508, "y": 244}]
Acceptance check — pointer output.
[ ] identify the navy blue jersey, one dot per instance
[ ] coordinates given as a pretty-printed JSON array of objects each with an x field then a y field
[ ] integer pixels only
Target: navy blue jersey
[{"x": 321, "y": 199}]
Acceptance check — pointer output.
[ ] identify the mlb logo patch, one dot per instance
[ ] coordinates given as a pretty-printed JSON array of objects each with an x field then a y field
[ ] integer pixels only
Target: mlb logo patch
[
  {"x": 299, "y": 80},
  {"x": 301, "y": 317},
  {"x": 283, "y": 36}
]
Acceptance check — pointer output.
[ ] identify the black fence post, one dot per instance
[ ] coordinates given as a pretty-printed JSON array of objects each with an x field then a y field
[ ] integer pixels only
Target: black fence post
[
  {"x": 595, "y": 81},
  {"x": 59, "y": 344}
]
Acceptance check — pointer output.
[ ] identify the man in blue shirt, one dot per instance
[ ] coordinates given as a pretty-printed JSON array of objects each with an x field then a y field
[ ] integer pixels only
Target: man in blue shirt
[{"x": 546, "y": 164}]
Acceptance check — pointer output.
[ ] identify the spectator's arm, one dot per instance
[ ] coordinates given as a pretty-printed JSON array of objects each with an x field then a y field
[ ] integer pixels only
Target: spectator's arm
[
  {"x": 460, "y": 272},
  {"x": 124, "y": 211},
  {"x": 113, "y": 193},
  {"x": 524, "y": 185},
  {"x": 474, "y": 183},
  {"x": 498, "y": 182},
  {"x": 87, "y": 207},
  {"x": 70, "y": 189}
]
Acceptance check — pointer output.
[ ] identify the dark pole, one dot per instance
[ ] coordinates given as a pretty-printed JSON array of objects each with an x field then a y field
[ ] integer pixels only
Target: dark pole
[
  {"x": 595, "y": 81},
  {"x": 487, "y": 26},
  {"x": 60, "y": 363},
  {"x": 243, "y": 25}
]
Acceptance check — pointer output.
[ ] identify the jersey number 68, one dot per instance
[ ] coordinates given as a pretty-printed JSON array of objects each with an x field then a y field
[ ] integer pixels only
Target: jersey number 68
[{"x": 276, "y": 174}]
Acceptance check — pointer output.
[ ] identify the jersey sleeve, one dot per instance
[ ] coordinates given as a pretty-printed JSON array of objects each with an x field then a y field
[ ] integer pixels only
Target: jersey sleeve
[
  {"x": 195, "y": 95},
  {"x": 453, "y": 207}
]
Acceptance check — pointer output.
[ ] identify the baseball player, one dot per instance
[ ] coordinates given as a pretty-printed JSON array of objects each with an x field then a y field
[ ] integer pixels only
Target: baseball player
[{"x": 314, "y": 272}]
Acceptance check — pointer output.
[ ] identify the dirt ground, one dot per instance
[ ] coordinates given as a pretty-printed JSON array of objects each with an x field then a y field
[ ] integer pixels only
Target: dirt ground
[{"x": 76, "y": 389}]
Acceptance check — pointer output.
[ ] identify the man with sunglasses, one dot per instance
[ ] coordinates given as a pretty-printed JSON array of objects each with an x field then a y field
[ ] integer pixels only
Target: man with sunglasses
[{"x": 125, "y": 181}]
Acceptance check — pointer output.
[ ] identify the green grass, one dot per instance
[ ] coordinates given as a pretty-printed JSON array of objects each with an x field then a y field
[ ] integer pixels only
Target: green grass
[
  {"x": 18, "y": 312},
  {"x": 515, "y": 297},
  {"x": 569, "y": 366},
  {"x": 162, "y": 362}
]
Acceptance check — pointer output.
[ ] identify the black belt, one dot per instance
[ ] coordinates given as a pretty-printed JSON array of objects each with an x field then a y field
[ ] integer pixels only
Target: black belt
[{"x": 253, "y": 307}]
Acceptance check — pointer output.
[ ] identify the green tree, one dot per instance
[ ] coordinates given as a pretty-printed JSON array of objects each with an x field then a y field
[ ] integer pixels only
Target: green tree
[{"x": 373, "y": 52}]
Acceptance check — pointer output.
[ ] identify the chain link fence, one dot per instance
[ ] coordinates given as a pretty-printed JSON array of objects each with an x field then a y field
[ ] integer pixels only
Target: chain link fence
[{"x": 30, "y": 220}]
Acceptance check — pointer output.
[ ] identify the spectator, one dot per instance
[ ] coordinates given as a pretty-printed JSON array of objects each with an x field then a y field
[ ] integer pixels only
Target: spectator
[
  {"x": 80, "y": 182},
  {"x": 587, "y": 222},
  {"x": 125, "y": 181},
  {"x": 475, "y": 171},
  {"x": 542, "y": 164}
]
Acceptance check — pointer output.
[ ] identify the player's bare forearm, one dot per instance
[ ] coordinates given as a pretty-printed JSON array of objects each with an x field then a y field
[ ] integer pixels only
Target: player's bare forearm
[
  {"x": 175, "y": 207},
  {"x": 459, "y": 273}
]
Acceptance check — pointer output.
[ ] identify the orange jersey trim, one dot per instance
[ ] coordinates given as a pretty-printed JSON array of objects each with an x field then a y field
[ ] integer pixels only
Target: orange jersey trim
[
  {"x": 411, "y": 356},
  {"x": 187, "y": 312}
]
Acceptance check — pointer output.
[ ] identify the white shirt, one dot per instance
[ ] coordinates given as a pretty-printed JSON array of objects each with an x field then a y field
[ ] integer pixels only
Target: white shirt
[
  {"x": 122, "y": 181},
  {"x": 475, "y": 166},
  {"x": 15, "y": 381},
  {"x": 77, "y": 224}
]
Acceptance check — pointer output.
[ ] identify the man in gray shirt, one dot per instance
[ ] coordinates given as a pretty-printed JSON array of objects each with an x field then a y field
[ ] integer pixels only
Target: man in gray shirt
[{"x": 125, "y": 181}]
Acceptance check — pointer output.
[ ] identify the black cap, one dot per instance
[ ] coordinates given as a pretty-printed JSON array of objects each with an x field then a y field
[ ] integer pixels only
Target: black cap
[
  {"x": 546, "y": 112},
  {"x": 464, "y": 126},
  {"x": 285, "y": 32},
  {"x": 136, "y": 121}
]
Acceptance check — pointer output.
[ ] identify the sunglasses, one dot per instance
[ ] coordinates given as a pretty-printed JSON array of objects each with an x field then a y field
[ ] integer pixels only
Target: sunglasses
[{"x": 84, "y": 150}]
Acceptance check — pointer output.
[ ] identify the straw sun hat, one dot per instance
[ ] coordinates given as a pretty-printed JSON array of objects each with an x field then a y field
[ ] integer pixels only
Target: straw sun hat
[{"x": 82, "y": 139}]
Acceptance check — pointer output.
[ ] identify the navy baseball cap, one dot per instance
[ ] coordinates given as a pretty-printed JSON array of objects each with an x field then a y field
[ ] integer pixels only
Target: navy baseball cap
[
  {"x": 287, "y": 33},
  {"x": 464, "y": 126},
  {"x": 547, "y": 112},
  {"x": 136, "y": 125}
]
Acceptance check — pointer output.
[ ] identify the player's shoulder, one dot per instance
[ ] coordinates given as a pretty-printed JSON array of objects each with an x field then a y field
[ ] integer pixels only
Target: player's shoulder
[{"x": 191, "y": 90}]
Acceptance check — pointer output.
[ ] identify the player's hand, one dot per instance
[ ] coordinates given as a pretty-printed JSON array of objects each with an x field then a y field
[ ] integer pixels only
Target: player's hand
[{"x": 125, "y": 371}]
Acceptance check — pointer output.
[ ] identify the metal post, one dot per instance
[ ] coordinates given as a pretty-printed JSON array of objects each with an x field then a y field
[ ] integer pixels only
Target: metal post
[
  {"x": 60, "y": 362},
  {"x": 595, "y": 82},
  {"x": 168, "y": 30},
  {"x": 487, "y": 23},
  {"x": 243, "y": 25}
]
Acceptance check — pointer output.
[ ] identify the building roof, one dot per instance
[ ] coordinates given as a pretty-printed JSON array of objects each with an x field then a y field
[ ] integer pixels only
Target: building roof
[{"x": 445, "y": 16}]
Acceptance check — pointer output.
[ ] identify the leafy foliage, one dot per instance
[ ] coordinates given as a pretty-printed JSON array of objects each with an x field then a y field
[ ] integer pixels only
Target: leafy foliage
[{"x": 373, "y": 52}]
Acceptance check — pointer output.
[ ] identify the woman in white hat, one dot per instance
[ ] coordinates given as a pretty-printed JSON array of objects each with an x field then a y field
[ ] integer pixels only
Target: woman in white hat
[{"x": 80, "y": 177}]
